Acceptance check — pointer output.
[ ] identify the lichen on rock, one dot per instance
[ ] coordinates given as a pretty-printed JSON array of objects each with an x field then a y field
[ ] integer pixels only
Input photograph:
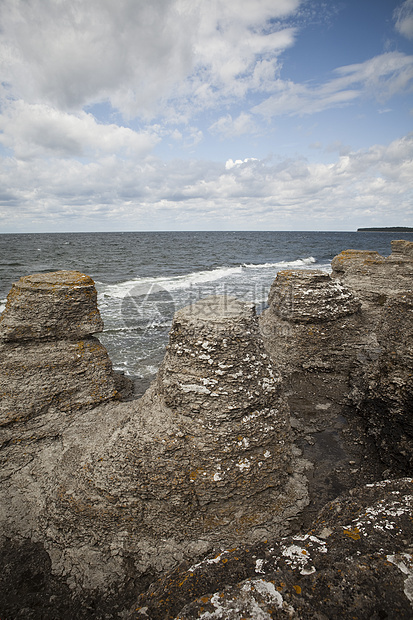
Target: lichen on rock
[
  {"x": 50, "y": 360},
  {"x": 51, "y": 306}
]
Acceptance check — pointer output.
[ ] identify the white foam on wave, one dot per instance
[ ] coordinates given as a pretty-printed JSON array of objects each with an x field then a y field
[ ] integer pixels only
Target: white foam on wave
[
  {"x": 171, "y": 284},
  {"x": 176, "y": 283},
  {"x": 283, "y": 264}
]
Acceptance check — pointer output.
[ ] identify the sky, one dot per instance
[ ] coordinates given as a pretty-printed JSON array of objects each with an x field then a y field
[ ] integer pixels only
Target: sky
[{"x": 140, "y": 115}]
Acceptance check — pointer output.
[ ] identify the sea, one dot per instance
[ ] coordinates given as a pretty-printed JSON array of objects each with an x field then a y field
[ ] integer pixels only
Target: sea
[{"x": 142, "y": 278}]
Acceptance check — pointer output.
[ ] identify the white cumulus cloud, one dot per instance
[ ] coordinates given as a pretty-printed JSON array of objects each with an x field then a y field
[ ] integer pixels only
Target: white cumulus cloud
[
  {"x": 37, "y": 129},
  {"x": 250, "y": 193},
  {"x": 137, "y": 54}
]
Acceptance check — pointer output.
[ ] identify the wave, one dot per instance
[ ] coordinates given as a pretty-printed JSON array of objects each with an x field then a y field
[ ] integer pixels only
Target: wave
[
  {"x": 299, "y": 262},
  {"x": 171, "y": 284},
  {"x": 175, "y": 283},
  {"x": 137, "y": 327}
]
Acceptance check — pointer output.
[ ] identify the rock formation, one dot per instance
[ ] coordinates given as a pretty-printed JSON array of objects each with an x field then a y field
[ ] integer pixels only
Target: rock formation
[
  {"x": 245, "y": 422},
  {"x": 121, "y": 491},
  {"x": 220, "y": 384},
  {"x": 381, "y": 379},
  {"x": 343, "y": 345},
  {"x": 50, "y": 361},
  {"x": 314, "y": 329},
  {"x": 355, "y": 562},
  {"x": 373, "y": 277}
]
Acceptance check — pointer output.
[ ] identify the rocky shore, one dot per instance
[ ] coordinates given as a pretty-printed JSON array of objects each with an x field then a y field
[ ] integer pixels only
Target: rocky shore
[{"x": 265, "y": 473}]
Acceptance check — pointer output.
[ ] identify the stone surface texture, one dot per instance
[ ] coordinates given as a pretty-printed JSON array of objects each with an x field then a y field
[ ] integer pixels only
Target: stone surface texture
[
  {"x": 50, "y": 362},
  {"x": 200, "y": 499},
  {"x": 343, "y": 343},
  {"x": 313, "y": 330},
  {"x": 124, "y": 491},
  {"x": 51, "y": 306},
  {"x": 355, "y": 562},
  {"x": 381, "y": 379}
]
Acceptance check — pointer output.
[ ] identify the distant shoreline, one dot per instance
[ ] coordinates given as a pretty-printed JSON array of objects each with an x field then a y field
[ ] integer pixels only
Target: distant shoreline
[{"x": 388, "y": 229}]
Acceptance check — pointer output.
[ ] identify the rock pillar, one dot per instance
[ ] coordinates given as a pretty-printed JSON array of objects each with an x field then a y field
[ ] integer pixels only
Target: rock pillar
[
  {"x": 306, "y": 327},
  {"x": 219, "y": 379},
  {"x": 312, "y": 330},
  {"x": 49, "y": 359}
]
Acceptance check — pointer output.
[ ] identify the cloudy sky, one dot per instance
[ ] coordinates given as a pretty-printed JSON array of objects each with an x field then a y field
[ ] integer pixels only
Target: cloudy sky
[{"x": 205, "y": 114}]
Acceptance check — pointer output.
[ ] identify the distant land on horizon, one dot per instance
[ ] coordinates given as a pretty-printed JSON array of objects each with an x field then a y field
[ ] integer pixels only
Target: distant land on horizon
[{"x": 387, "y": 229}]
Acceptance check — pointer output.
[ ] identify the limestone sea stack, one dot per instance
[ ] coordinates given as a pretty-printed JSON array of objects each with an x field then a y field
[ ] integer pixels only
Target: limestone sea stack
[
  {"x": 219, "y": 381},
  {"x": 343, "y": 343},
  {"x": 246, "y": 422},
  {"x": 311, "y": 329},
  {"x": 50, "y": 360}
]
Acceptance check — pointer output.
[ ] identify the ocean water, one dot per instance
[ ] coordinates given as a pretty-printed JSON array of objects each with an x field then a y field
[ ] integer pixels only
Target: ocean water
[{"x": 143, "y": 278}]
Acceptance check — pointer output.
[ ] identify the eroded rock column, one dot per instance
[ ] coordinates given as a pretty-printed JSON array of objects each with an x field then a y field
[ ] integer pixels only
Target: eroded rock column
[
  {"x": 128, "y": 489},
  {"x": 218, "y": 378},
  {"x": 313, "y": 330},
  {"x": 310, "y": 323},
  {"x": 49, "y": 360},
  {"x": 208, "y": 454}
]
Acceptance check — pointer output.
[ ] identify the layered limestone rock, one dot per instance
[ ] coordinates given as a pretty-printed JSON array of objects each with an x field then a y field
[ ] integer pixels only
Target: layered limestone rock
[
  {"x": 60, "y": 305},
  {"x": 374, "y": 277},
  {"x": 382, "y": 389},
  {"x": 203, "y": 459},
  {"x": 50, "y": 362},
  {"x": 307, "y": 324},
  {"x": 99, "y": 497},
  {"x": 310, "y": 296},
  {"x": 344, "y": 345},
  {"x": 126, "y": 490},
  {"x": 219, "y": 380},
  {"x": 381, "y": 378}
]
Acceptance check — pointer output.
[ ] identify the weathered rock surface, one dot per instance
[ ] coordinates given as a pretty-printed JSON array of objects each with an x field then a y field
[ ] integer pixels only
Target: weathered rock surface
[
  {"x": 355, "y": 562},
  {"x": 309, "y": 322},
  {"x": 61, "y": 305},
  {"x": 310, "y": 296},
  {"x": 124, "y": 491},
  {"x": 50, "y": 362},
  {"x": 381, "y": 379},
  {"x": 382, "y": 388},
  {"x": 244, "y": 423},
  {"x": 344, "y": 346},
  {"x": 373, "y": 277},
  {"x": 218, "y": 378},
  {"x": 313, "y": 331}
]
